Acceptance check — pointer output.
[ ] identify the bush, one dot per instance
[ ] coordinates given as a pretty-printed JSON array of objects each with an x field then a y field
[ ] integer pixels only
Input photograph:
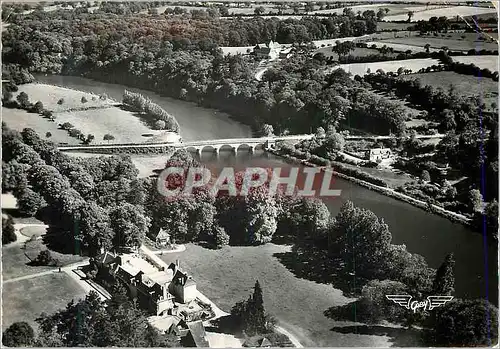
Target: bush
[
  {"x": 38, "y": 107},
  {"x": 61, "y": 101},
  {"x": 45, "y": 258},
  {"x": 19, "y": 334},
  {"x": 8, "y": 234},
  {"x": 84, "y": 100}
]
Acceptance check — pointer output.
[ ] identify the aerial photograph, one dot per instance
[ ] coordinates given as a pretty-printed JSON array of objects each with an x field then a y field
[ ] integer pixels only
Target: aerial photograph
[{"x": 235, "y": 173}]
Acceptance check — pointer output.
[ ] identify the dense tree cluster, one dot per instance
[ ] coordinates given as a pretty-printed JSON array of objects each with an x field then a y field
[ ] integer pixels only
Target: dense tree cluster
[
  {"x": 151, "y": 110},
  {"x": 77, "y": 197},
  {"x": 124, "y": 323}
]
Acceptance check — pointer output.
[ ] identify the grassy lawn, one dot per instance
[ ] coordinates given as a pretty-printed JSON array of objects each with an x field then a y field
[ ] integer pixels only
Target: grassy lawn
[
  {"x": 227, "y": 276},
  {"x": 466, "y": 85},
  {"x": 25, "y": 300},
  {"x": 453, "y": 41},
  {"x": 15, "y": 259},
  {"x": 362, "y": 68},
  {"x": 449, "y": 12}
]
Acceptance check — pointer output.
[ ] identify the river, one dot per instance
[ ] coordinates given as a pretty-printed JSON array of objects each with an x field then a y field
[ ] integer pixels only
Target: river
[{"x": 429, "y": 235}]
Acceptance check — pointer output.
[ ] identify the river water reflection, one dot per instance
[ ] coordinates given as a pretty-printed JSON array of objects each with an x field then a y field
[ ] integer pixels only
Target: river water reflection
[{"x": 429, "y": 235}]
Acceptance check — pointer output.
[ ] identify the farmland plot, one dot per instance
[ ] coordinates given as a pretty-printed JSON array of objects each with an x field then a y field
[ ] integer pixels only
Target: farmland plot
[
  {"x": 454, "y": 43},
  {"x": 449, "y": 12},
  {"x": 390, "y": 66},
  {"x": 483, "y": 62},
  {"x": 466, "y": 85}
]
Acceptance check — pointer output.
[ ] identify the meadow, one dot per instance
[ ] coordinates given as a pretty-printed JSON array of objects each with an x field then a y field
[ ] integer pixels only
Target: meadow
[
  {"x": 394, "y": 9},
  {"x": 227, "y": 276},
  {"x": 483, "y": 62},
  {"x": 449, "y": 12},
  {"x": 389, "y": 66},
  {"x": 102, "y": 117},
  {"x": 453, "y": 41},
  {"x": 466, "y": 85}
]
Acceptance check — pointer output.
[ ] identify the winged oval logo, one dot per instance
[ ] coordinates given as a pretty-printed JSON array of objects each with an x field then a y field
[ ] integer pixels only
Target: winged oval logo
[{"x": 430, "y": 303}]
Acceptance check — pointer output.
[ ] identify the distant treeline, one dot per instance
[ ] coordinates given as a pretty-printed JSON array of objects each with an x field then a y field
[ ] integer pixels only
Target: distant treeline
[{"x": 153, "y": 111}]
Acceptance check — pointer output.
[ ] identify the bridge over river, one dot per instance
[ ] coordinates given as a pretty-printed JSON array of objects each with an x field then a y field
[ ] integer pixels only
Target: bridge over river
[{"x": 229, "y": 143}]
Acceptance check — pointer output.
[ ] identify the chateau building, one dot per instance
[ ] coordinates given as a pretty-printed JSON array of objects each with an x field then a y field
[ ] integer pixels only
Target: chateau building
[{"x": 156, "y": 289}]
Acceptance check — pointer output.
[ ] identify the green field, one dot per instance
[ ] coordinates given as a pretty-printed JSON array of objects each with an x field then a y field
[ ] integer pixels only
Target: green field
[
  {"x": 25, "y": 300},
  {"x": 358, "y": 52},
  {"x": 466, "y": 85},
  {"x": 123, "y": 125},
  {"x": 453, "y": 41},
  {"x": 227, "y": 276},
  {"x": 450, "y": 12},
  {"x": 389, "y": 66}
]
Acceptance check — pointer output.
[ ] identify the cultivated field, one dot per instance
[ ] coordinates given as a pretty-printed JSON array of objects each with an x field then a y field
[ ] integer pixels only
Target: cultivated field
[
  {"x": 483, "y": 62},
  {"x": 466, "y": 85},
  {"x": 449, "y": 12},
  {"x": 393, "y": 66},
  {"x": 106, "y": 119},
  {"x": 25, "y": 300},
  {"x": 227, "y": 276}
]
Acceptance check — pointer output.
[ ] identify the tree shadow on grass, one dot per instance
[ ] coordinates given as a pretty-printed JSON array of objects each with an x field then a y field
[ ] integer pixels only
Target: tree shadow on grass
[
  {"x": 400, "y": 337},
  {"x": 307, "y": 261},
  {"x": 62, "y": 241},
  {"x": 224, "y": 324}
]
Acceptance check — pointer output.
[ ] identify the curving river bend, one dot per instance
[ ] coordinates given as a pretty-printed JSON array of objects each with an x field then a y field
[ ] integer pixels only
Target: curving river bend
[{"x": 476, "y": 268}]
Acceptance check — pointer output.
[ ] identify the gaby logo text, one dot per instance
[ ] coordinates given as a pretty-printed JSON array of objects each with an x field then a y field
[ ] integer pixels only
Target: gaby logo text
[
  {"x": 430, "y": 303},
  {"x": 308, "y": 181}
]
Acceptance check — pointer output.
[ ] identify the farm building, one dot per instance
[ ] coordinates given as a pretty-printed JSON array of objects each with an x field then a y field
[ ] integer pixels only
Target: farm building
[{"x": 378, "y": 154}]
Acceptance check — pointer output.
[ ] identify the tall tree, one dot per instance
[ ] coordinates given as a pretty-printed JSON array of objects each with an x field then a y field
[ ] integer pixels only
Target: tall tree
[{"x": 444, "y": 281}]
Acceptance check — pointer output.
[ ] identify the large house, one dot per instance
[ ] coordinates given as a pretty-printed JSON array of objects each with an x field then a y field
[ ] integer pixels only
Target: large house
[
  {"x": 267, "y": 51},
  {"x": 156, "y": 289},
  {"x": 378, "y": 154}
]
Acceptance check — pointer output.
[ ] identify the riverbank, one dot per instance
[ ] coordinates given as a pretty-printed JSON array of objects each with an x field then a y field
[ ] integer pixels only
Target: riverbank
[{"x": 452, "y": 216}]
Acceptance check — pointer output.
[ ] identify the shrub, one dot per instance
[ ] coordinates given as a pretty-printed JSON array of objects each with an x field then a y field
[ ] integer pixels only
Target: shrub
[
  {"x": 48, "y": 135},
  {"x": 45, "y": 258},
  {"x": 38, "y": 107},
  {"x": 19, "y": 334},
  {"x": 61, "y": 101},
  {"x": 84, "y": 100},
  {"x": 8, "y": 234}
]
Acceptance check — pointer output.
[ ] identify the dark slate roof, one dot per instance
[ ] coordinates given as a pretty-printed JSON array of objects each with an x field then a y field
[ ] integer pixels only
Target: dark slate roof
[{"x": 198, "y": 333}]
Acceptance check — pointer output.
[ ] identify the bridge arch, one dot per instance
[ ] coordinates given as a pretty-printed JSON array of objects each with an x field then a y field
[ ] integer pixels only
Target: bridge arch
[
  {"x": 192, "y": 149},
  {"x": 226, "y": 147},
  {"x": 245, "y": 146}
]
